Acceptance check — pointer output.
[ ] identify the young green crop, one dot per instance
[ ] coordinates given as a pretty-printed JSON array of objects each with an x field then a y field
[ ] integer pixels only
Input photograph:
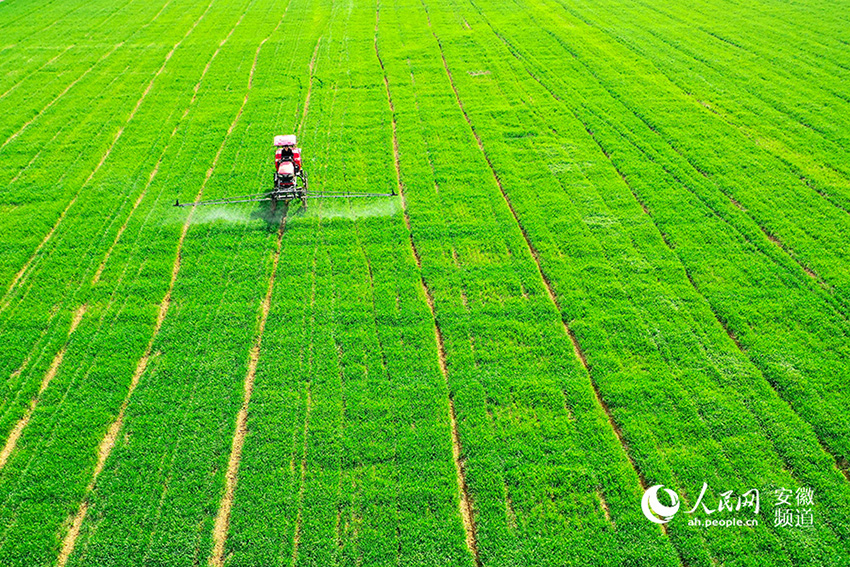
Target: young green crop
[{"x": 617, "y": 261}]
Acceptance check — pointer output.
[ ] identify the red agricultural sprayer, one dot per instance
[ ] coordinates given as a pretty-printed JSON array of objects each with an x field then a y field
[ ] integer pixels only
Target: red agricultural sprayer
[{"x": 290, "y": 181}]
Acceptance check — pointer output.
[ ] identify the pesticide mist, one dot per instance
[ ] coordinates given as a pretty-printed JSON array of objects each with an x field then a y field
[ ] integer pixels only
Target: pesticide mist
[{"x": 352, "y": 209}]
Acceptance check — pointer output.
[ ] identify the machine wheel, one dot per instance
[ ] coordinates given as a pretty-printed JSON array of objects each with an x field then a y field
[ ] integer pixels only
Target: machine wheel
[{"x": 274, "y": 205}]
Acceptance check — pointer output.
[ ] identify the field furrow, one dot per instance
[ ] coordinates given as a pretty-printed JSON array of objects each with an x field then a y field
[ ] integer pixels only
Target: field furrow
[
  {"x": 581, "y": 297},
  {"x": 670, "y": 355},
  {"x": 695, "y": 265},
  {"x": 51, "y": 273}
]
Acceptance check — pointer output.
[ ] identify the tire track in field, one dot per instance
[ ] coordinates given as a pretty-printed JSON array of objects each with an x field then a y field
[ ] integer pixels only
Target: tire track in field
[
  {"x": 577, "y": 349},
  {"x": 88, "y": 36},
  {"x": 707, "y": 62},
  {"x": 18, "y": 277},
  {"x": 17, "y": 430},
  {"x": 841, "y": 463},
  {"x": 155, "y": 170},
  {"x": 785, "y": 251},
  {"x": 296, "y": 535},
  {"x": 308, "y": 409},
  {"x": 386, "y": 371},
  {"x": 465, "y": 501},
  {"x": 222, "y": 520},
  {"x": 62, "y": 17},
  {"x": 311, "y": 67},
  {"x": 296, "y": 538},
  {"x": 108, "y": 441}
]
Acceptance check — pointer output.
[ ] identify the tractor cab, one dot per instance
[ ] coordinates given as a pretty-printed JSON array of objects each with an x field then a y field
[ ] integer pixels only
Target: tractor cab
[
  {"x": 286, "y": 150},
  {"x": 290, "y": 181}
]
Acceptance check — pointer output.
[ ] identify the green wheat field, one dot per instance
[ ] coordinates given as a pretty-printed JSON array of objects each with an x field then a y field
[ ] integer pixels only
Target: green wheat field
[{"x": 608, "y": 304}]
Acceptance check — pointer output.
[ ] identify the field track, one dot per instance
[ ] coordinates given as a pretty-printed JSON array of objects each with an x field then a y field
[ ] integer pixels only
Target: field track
[{"x": 618, "y": 258}]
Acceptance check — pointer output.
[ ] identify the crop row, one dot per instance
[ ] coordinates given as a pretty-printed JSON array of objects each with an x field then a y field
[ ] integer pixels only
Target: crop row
[
  {"x": 40, "y": 40},
  {"x": 769, "y": 187},
  {"x": 57, "y": 451},
  {"x": 545, "y": 471},
  {"x": 757, "y": 293},
  {"x": 585, "y": 223}
]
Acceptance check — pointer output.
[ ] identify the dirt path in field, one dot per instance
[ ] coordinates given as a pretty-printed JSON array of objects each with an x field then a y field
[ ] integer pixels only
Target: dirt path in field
[
  {"x": 222, "y": 520},
  {"x": 467, "y": 510},
  {"x": 19, "y": 276},
  {"x": 15, "y": 434},
  {"x": 108, "y": 441},
  {"x": 141, "y": 196}
]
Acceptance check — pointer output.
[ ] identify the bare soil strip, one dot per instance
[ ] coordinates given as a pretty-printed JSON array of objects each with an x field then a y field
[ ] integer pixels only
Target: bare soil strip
[
  {"x": 604, "y": 504},
  {"x": 467, "y": 510},
  {"x": 15, "y": 434},
  {"x": 809, "y": 272},
  {"x": 222, "y": 519},
  {"x": 103, "y": 158},
  {"x": 108, "y": 441},
  {"x": 547, "y": 284}
]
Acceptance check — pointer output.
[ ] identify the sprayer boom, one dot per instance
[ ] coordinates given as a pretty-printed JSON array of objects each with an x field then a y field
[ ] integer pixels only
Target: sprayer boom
[{"x": 290, "y": 181}]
